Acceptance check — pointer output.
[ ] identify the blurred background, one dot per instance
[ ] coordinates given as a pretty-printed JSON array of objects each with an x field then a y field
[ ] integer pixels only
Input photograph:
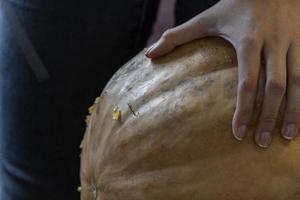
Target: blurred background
[{"x": 164, "y": 19}]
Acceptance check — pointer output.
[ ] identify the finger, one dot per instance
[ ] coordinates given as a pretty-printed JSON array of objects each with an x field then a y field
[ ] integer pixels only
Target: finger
[
  {"x": 199, "y": 26},
  {"x": 274, "y": 92},
  {"x": 249, "y": 56},
  {"x": 292, "y": 113}
]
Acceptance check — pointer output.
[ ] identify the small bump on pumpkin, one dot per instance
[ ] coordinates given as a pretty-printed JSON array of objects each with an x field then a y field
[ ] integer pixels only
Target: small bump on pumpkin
[
  {"x": 97, "y": 100},
  {"x": 94, "y": 191},
  {"x": 79, "y": 189},
  {"x": 116, "y": 113},
  {"x": 87, "y": 119},
  {"x": 92, "y": 109}
]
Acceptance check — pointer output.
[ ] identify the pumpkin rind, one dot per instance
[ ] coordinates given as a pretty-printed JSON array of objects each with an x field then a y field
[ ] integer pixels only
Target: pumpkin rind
[{"x": 173, "y": 139}]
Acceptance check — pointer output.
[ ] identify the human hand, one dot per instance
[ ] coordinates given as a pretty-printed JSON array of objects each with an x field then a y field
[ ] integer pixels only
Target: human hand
[{"x": 269, "y": 30}]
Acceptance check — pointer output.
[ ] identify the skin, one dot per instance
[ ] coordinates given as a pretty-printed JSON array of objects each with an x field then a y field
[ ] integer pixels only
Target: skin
[{"x": 267, "y": 30}]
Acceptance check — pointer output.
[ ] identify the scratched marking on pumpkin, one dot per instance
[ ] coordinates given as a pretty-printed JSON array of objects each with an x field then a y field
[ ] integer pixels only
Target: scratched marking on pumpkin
[
  {"x": 208, "y": 81},
  {"x": 131, "y": 109}
]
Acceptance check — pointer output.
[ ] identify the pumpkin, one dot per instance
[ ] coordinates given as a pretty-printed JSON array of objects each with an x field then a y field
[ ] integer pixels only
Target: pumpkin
[{"x": 161, "y": 130}]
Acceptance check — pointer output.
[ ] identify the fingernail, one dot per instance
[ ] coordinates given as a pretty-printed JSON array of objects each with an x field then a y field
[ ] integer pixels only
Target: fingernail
[
  {"x": 264, "y": 139},
  {"x": 148, "y": 51},
  {"x": 241, "y": 132},
  {"x": 289, "y": 132}
]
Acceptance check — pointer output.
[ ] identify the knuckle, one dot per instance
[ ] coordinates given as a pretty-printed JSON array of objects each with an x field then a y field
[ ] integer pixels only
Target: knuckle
[
  {"x": 243, "y": 113},
  {"x": 270, "y": 119},
  {"x": 250, "y": 40},
  {"x": 276, "y": 87},
  {"x": 248, "y": 85},
  {"x": 294, "y": 112},
  {"x": 276, "y": 37},
  {"x": 295, "y": 80},
  {"x": 168, "y": 35}
]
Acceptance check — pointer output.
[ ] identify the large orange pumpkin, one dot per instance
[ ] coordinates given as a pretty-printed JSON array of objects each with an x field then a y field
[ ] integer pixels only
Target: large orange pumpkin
[{"x": 161, "y": 130}]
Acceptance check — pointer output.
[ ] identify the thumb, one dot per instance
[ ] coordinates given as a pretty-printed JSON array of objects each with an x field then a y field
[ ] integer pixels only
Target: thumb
[{"x": 200, "y": 26}]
